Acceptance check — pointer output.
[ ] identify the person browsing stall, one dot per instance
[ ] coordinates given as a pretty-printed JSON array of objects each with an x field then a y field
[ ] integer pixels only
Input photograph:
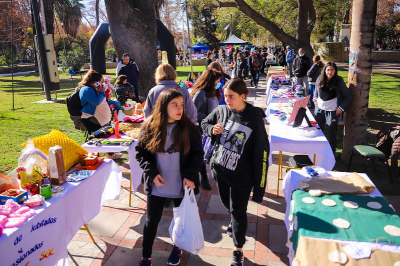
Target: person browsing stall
[
  {"x": 313, "y": 74},
  {"x": 239, "y": 162},
  {"x": 165, "y": 77},
  {"x": 169, "y": 151},
  {"x": 331, "y": 98},
  {"x": 206, "y": 97},
  {"x": 217, "y": 67}
]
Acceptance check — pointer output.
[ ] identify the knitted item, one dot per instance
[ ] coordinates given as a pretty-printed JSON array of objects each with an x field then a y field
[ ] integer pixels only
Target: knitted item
[{"x": 70, "y": 148}]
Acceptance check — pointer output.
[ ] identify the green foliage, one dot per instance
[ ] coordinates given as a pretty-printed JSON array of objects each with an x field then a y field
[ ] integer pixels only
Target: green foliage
[
  {"x": 66, "y": 42},
  {"x": 74, "y": 59},
  {"x": 385, "y": 34},
  {"x": 110, "y": 53},
  {"x": 204, "y": 23},
  {"x": 330, "y": 16},
  {"x": 5, "y": 58}
]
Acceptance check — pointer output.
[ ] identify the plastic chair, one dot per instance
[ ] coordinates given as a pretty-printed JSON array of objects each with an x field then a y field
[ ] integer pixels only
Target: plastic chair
[{"x": 371, "y": 154}]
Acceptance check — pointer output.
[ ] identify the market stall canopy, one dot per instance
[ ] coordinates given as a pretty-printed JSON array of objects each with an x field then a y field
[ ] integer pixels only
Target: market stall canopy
[
  {"x": 199, "y": 46},
  {"x": 233, "y": 40}
]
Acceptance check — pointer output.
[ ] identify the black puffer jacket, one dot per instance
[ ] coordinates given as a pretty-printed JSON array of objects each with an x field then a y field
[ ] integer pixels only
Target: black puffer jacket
[{"x": 125, "y": 92}]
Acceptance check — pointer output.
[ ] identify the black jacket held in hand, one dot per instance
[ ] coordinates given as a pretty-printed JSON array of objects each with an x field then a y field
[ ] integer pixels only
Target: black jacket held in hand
[
  {"x": 240, "y": 155},
  {"x": 189, "y": 163}
]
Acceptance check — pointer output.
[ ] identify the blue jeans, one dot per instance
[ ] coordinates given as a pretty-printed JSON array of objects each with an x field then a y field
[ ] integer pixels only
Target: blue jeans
[
  {"x": 117, "y": 105},
  {"x": 311, "y": 89}
]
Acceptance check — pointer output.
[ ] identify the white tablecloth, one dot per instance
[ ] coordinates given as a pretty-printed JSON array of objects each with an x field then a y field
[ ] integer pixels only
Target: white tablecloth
[
  {"x": 290, "y": 182},
  {"x": 136, "y": 171},
  {"x": 287, "y": 139},
  {"x": 43, "y": 239}
]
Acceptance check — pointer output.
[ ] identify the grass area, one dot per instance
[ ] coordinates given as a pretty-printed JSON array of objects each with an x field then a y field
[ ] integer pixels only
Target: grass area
[{"x": 31, "y": 120}]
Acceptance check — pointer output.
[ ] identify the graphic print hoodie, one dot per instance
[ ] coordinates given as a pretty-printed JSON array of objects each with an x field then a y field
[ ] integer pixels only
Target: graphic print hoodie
[{"x": 240, "y": 154}]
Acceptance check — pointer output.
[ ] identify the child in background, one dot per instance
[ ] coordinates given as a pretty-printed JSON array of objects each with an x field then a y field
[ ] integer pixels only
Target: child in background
[{"x": 108, "y": 87}]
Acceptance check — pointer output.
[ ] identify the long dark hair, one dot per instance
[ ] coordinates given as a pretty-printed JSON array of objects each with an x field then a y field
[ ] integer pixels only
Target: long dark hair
[
  {"x": 89, "y": 78},
  {"x": 154, "y": 131},
  {"x": 324, "y": 83},
  {"x": 120, "y": 80},
  {"x": 206, "y": 82}
]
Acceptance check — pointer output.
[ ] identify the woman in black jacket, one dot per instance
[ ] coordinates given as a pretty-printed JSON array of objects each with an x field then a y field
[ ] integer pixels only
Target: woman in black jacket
[
  {"x": 240, "y": 67},
  {"x": 170, "y": 153},
  {"x": 313, "y": 73},
  {"x": 331, "y": 99},
  {"x": 239, "y": 162},
  {"x": 124, "y": 90}
]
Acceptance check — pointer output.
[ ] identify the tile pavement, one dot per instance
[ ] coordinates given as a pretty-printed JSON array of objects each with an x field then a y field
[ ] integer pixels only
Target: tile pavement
[{"x": 117, "y": 229}]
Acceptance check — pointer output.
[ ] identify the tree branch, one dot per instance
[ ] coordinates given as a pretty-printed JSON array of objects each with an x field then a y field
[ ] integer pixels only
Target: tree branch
[
  {"x": 275, "y": 30},
  {"x": 219, "y": 4}
]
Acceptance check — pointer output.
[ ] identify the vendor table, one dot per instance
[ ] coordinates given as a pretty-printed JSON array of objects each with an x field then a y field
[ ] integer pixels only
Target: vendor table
[
  {"x": 44, "y": 238},
  {"x": 315, "y": 220},
  {"x": 136, "y": 171},
  {"x": 286, "y": 138}
]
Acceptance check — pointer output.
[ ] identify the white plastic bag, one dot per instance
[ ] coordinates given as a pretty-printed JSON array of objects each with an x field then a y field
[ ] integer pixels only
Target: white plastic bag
[{"x": 186, "y": 230}]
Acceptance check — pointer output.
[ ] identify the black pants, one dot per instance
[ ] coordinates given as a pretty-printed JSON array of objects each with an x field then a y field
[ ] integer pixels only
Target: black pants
[
  {"x": 255, "y": 76},
  {"x": 203, "y": 167},
  {"x": 155, "y": 207},
  {"x": 91, "y": 124},
  {"x": 330, "y": 118},
  {"x": 235, "y": 201}
]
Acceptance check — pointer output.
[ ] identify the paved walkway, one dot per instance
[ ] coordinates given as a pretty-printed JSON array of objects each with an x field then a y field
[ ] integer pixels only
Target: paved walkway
[{"x": 118, "y": 228}]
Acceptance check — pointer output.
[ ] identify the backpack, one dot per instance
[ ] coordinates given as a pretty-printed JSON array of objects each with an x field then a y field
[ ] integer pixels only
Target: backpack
[
  {"x": 74, "y": 103},
  {"x": 255, "y": 63}
]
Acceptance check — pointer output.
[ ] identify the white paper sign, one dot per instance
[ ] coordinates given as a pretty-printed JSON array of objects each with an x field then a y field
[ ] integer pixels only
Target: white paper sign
[{"x": 357, "y": 251}]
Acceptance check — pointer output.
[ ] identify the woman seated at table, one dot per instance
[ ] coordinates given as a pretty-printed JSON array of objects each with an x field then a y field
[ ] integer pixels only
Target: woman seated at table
[
  {"x": 331, "y": 99},
  {"x": 124, "y": 90},
  {"x": 95, "y": 112},
  {"x": 169, "y": 151}
]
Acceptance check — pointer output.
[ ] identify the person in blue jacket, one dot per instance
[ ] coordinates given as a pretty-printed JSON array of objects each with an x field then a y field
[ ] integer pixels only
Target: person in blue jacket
[
  {"x": 289, "y": 60},
  {"x": 95, "y": 112},
  {"x": 131, "y": 71}
]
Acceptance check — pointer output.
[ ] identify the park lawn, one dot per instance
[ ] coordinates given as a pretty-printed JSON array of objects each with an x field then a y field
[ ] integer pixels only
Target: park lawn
[{"x": 31, "y": 120}]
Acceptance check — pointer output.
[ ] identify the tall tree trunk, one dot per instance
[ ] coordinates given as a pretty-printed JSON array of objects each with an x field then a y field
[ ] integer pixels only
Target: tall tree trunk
[
  {"x": 134, "y": 31},
  {"x": 362, "y": 42},
  {"x": 97, "y": 13},
  {"x": 305, "y": 25}
]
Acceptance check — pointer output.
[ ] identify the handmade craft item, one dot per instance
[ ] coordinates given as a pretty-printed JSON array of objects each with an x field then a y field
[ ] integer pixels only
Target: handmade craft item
[
  {"x": 58, "y": 175},
  {"x": 18, "y": 196},
  {"x": 45, "y": 191},
  {"x": 70, "y": 149},
  {"x": 131, "y": 129}
]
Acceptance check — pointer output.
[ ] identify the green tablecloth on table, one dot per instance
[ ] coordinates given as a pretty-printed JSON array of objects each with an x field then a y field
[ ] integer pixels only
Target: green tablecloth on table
[{"x": 366, "y": 224}]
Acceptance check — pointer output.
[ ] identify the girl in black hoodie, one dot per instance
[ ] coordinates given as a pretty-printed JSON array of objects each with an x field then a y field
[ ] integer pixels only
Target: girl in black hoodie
[{"x": 239, "y": 161}]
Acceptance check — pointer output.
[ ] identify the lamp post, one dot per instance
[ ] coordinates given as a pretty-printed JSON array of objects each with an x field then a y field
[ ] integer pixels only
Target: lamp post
[{"x": 189, "y": 40}]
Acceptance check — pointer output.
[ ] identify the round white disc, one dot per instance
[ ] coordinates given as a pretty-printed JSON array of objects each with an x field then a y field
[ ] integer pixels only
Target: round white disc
[
  {"x": 337, "y": 256},
  {"x": 350, "y": 204},
  {"x": 374, "y": 205},
  {"x": 308, "y": 200},
  {"x": 329, "y": 202},
  {"x": 341, "y": 223},
  {"x": 392, "y": 230},
  {"x": 315, "y": 192}
]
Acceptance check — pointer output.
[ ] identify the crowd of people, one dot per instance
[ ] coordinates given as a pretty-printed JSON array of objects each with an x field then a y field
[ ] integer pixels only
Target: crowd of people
[{"x": 169, "y": 148}]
